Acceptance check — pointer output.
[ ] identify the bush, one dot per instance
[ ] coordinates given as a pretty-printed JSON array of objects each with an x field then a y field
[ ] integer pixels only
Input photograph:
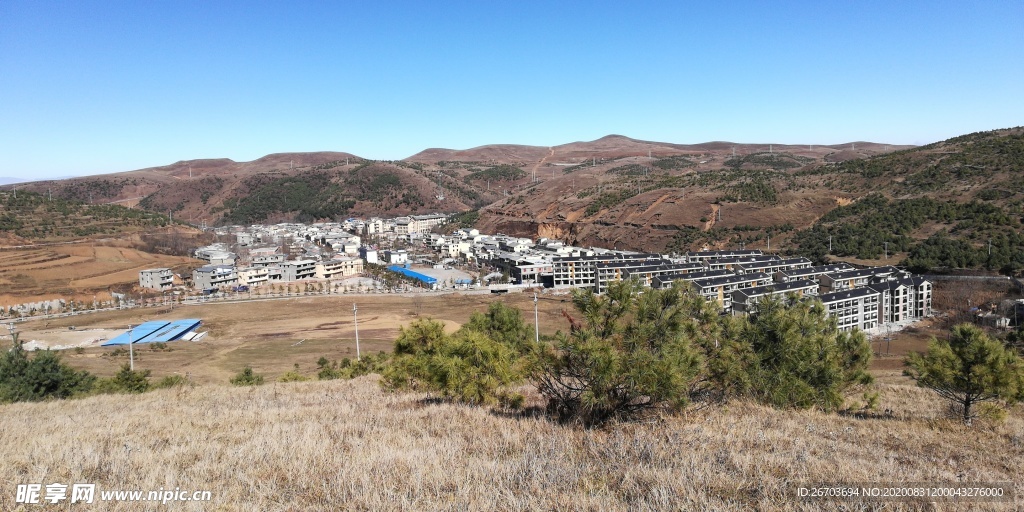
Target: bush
[
  {"x": 633, "y": 352},
  {"x": 468, "y": 366},
  {"x": 800, "y": 358},
  {"x": 125, "y": 381},
  {"x": 39, "y": 378},
  {"x": 247, "y": 377},
  {"x": 293, "y": 376}
]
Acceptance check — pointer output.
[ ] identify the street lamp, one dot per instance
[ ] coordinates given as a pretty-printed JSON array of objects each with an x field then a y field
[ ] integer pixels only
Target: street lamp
[
  {"x": 14, "y": 333},
  {"x": 355, "y": 321}
]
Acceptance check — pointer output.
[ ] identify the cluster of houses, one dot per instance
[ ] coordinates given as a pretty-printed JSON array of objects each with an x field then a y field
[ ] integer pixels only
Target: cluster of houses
[{"x": 862, "y": 298}]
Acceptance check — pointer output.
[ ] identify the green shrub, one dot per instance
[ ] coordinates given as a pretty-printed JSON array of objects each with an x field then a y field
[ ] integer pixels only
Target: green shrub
[
  {"x": 632, "y": 352},
  {"x": 40, "y": 377},
  {"x": 247, "y": 377}
]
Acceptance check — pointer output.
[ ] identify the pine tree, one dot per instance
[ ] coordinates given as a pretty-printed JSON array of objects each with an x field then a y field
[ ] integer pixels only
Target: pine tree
[{"x": 967, "y": 369}]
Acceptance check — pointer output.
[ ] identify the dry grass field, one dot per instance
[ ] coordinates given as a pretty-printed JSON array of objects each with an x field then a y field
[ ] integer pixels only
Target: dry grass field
[
  {"x": 76, "y": 270},
  {"x": 334, "y": 445},
  {"x": 347, "y": 445},
  {"x": 270, "y": 335}
]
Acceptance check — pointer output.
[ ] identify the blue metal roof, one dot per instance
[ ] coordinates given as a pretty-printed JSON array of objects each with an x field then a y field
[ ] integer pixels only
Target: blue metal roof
[
  {"x": 137, "y": 334},
  {"x": 413, "y": 274},
  {"x": 172, "y": 331}
]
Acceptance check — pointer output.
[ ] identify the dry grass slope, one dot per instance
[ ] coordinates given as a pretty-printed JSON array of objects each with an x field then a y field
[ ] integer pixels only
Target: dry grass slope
[{"x": 348, "y": 445}]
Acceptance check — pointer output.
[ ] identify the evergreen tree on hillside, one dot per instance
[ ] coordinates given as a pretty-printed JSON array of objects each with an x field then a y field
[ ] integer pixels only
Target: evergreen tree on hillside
[{"x": 968, "y": 369}]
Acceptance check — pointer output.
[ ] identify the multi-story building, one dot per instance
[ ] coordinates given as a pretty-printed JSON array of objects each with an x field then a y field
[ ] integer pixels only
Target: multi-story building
[
  {"x": 700, "y": 256},
  {"x": 809, "y": 272},
  {"x": 214, "y": 276},
  {"x": 339, "y": 267},
  {"x": 854, "y": 309},
  {"x": 581, "y": 271},
  {"x": 156, "y": 278},
  {"x": 772, "y": 266},
  {"x": 720, "y": 289},
  {"x": 858, "y": 278},
  {"x": 746, "y": 300},
  {"x": 666, "y": 280},
  {"x": 733, "y": 262},
  {"x": 644, "y": 270},
  {"x": 298, "y": 269},
  {"x": 252, "y": 276}
]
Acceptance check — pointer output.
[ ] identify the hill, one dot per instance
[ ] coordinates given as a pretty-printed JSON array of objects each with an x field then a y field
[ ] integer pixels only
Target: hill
[
  {"x": 635, "y": 194},
  {"x": 346, "y": 444},
  {"x": 792, "y": 196}
]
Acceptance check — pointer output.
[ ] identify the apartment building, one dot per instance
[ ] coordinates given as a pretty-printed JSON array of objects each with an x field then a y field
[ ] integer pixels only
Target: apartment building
[
  {"x": 746, "y": 300},
  {"x": 701, "y": 256},
  {"x": 666, "y": 280},
  {"x": 772, "y": 266},
  {"x": 581, "y": 271},
  {"x": 858, "y": 278},
  {"x": 339, "y": 267},
  {"x": 645, "y": 271},
  {"x": 809, "y": 272},
  {"x": 719, "y": 289},
  {"x": 854, "y": 309},
  {"x": 156, "y": 278},
  {"x": 298, "y": 269},
  {"x": 733, "y": 262}
]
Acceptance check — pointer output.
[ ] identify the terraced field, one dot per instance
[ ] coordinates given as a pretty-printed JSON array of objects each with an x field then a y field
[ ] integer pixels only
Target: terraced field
[{"x": 74, "y": 270}]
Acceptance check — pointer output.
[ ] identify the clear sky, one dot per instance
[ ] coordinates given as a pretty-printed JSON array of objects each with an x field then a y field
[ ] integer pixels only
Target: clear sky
[{"x": 90, "y": 87}]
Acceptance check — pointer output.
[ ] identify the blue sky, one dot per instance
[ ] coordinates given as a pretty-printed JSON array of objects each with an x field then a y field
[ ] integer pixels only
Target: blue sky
[{"x": 92, "y": 87}]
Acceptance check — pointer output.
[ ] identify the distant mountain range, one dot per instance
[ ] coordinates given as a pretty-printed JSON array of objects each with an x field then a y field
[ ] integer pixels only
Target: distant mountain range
[
  {"x": 6, "y": 180},
  {"x": 624, "y": 193}
]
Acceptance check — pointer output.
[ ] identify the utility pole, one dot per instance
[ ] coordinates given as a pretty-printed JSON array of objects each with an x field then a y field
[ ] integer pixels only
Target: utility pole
[
  {"x": 990, "y": 247},
  {"x": 536, "y": 320},
  {"x": 886, "y": 250},
  {"x": 355, "y": 320},
  {"x": 769, "y": 242},
  {"x": 830, "y": 244},
  {"x": 131, "y": 350},
  {"x": 14, "y": 333}
]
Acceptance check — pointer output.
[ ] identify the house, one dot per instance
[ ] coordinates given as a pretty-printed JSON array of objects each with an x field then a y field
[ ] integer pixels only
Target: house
[
  {"x": 156, "y": 278},
  {"x": 214, "y": 276},
  {"x": 399, "y": 257},
  {"x": 368, "y": 254}
]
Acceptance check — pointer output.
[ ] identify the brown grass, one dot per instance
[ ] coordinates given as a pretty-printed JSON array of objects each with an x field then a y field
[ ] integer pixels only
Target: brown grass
[
  {"x": 348, "y": 445},
  {"x": 77, "y": 271},
  {"x": 266, "y": 334}
]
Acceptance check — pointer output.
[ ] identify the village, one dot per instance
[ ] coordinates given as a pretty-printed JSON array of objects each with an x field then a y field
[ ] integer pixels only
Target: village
[{"x": 337, "y": 258}]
